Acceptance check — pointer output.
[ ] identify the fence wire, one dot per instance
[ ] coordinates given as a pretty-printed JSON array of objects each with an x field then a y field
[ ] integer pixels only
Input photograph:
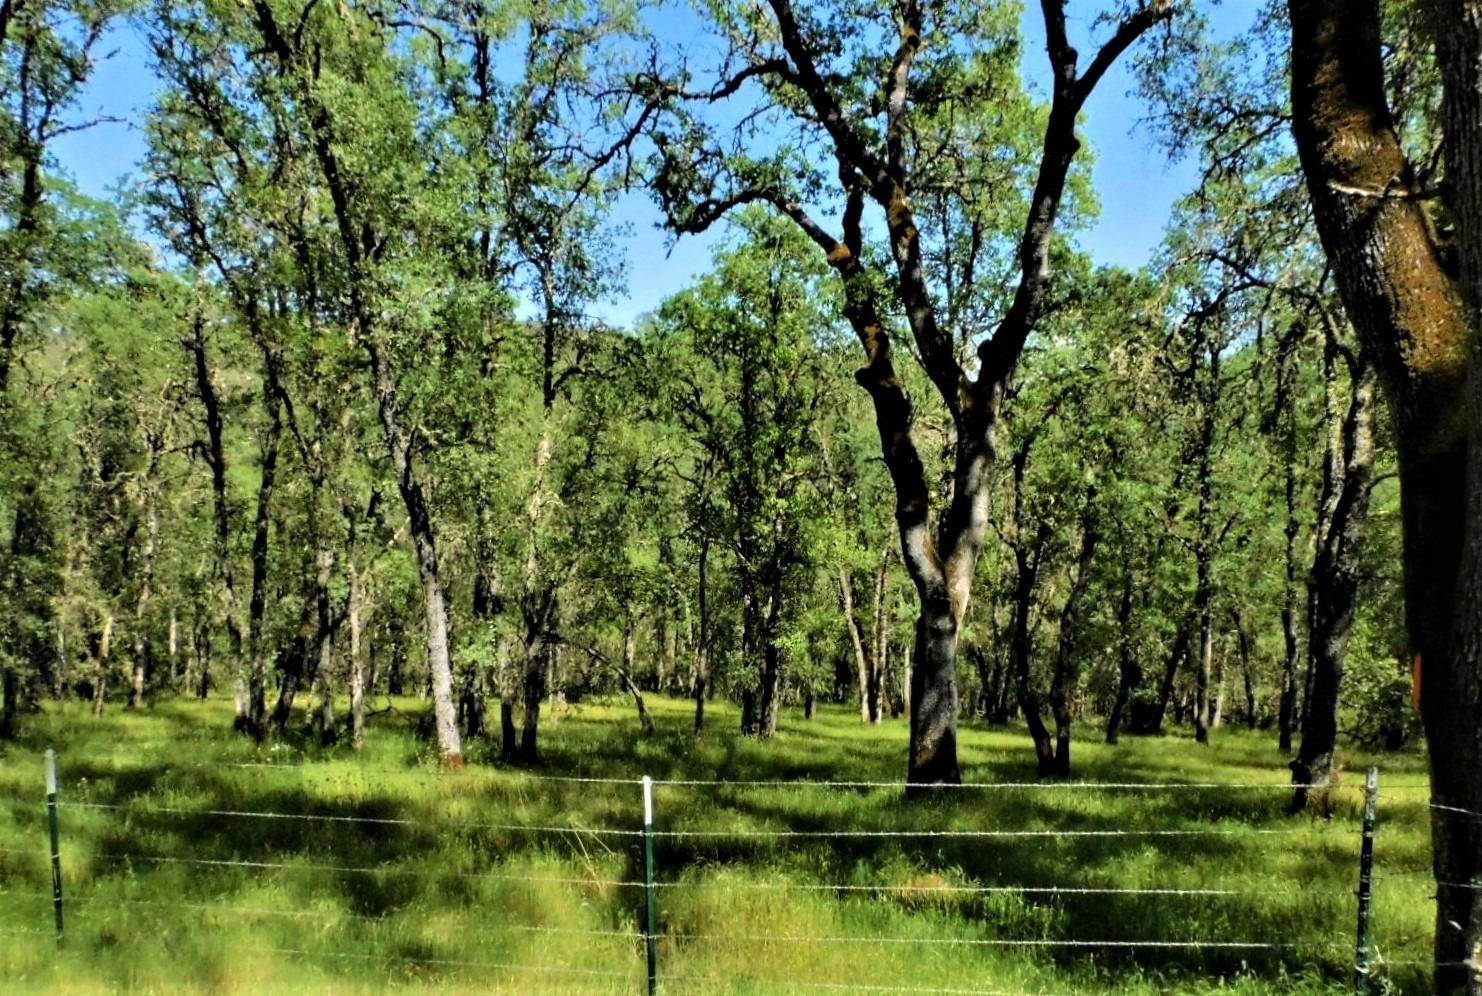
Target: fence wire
[{"x": 134, "y": 809}]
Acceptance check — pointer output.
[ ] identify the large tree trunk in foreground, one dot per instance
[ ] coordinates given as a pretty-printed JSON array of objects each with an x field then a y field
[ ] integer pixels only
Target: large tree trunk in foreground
[
  {"x": 1452, "y": 695},
  {"x": 1400, "y": 297}
]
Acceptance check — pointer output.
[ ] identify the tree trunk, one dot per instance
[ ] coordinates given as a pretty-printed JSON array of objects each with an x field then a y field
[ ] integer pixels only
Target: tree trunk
[
  {"x": 1399, "y": 294},
  {"x": 879, "y": 638},
  {"x": 324, "y": 688},
  {"x": 254, "y": 723},
  {"x": 357, "y": 659},
  {"x": 1291, "y": 658},
  {"x": 146, "y": 585},
  {"x": 11, "y": 693},
  {"x": 769, "y": 688},
  {"x": 1147, "y": 717},
  {"x": 1066, "y": 666},
  {"x": 861, "y": 662},
  {"x": 1129, "y": 672},
  {"x": 1204, "y": 547},
  {"x": 424, "y": 544},
  {"x": 221, "y": 518},
  {"x": 104, "y": 662},
  {"x": 1247, "y": 668},
  {"x": 702, "y": 645},
  {"x": 1335, "y": 579},
  {"x": 172, "y": 638}
]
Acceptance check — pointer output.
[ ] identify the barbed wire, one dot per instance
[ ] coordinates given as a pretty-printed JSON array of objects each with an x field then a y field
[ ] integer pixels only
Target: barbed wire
[
  {"x": 978, "y": 941},
  {"x": 1455, "y": 811},
  {"x": 1007, "y": 889},
  {"x": 458, "y": 962},
  {"x": 232, "y": 909},
  {"x": 368, "y": 870},
  {"x": 1056, "y": 834},
  {"x": 329, "y": 818},
  {"x": 951, "y": 786},
  {"x": 790, "y": 985}
]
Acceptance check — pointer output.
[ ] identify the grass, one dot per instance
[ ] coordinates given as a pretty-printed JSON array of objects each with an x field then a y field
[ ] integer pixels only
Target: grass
[{"x": 450, "y": 905}]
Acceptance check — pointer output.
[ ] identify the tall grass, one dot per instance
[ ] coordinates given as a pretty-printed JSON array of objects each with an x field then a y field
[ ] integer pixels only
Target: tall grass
[{"x": 442, "y": 896}]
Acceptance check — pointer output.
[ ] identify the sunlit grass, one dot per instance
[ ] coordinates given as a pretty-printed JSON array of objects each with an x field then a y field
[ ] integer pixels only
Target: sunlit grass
[{"x": 454, "y": 901}]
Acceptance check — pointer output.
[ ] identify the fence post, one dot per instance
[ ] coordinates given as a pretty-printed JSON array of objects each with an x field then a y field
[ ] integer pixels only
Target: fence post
[
  {"x": 651, "y": 899},
  {"x": 1361, "y": 959},
  {"x": 56, "y": 847}
]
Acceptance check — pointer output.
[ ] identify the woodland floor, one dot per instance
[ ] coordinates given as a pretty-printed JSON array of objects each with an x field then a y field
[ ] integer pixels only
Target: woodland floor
[{"x": 449, "y": 906}]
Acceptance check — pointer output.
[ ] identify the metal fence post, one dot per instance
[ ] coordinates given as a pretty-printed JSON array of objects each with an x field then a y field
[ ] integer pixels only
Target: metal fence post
[
  {"x": 56, "y": 847},
  {"x": 1362, "y": 952},
  {"x": 650, "y": 934}
]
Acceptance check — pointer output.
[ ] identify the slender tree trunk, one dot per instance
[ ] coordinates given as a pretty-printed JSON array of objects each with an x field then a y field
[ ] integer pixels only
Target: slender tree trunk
[
  {"x": 879, "y": 636},
  {"x": 1335, "y": 574},
  {"x": 1247, "y": 668},
  {"x": 324, "y": 688},
  {"x": 257, "y": 674},
  {"x": 357, "y": 658},
  {"x": 861, "y": 662},
  {"x": 1129, "y": 672},
  {"x": 104, "y": 663},
  {"x": 221, "y": 518},
  {"x": 702, "y": 644},
  {"x": 1204, "y": 549},
  {"x": 424, "y": 544},
  {"x": 141, "y": 604},
  {"x": 1291, "y": 658}
]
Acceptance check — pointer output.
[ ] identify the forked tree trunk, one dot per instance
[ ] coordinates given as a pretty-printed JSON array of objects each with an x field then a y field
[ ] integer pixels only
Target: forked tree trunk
[{"x": 940, "y": 557}]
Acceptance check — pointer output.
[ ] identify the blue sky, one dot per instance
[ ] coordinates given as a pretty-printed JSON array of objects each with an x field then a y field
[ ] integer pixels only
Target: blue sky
[{"x": 1135, "y": 184}]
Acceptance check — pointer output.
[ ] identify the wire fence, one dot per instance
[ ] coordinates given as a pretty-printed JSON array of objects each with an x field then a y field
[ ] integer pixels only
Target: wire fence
[{"x": 639, "y": 930}]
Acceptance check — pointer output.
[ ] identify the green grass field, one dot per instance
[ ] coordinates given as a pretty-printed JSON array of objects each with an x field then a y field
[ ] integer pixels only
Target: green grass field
[{"x": 443, "y": 896}]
